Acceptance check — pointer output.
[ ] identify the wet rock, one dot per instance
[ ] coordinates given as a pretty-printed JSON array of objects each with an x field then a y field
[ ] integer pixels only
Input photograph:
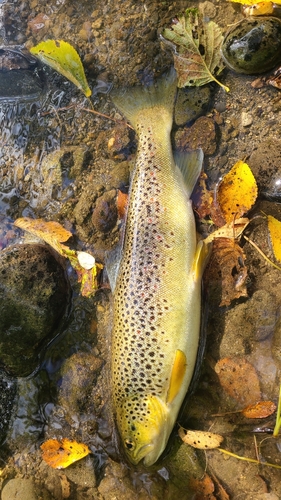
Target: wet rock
[
  {"x": 34, "y": 295},
  {"x": 191, "y": 103},
  {"x": 265, "y": 163},
  {"x": 17, "y": 76},
  {"x": 105, "y": 213},
  {"x": 8, "y": 389},
  {"x": 23, "y": 489},
  {"x": 79, "y": 374},
  {"x": 201, "y": 135},
  {"x": 120, "y": 176}
]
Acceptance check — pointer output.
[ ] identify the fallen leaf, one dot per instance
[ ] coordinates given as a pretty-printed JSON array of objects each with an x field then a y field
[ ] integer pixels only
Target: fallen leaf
[
  {"x": 61, "y": 454},
  {"x": 237, "y": 191},
  {"x": 200, "y": 439},
  {"x": 274, "y": 227},
  {"x": 253, "y": 2},
  {"x": 203, "y": 487},
  {"x": 122, "y": 203},
  {"x": 229, "y": 231},
  {"x": 239, "y": 380},
  {"x": 197, "y": 44},
  {"x": 226, "y": 267},
  {"x": 51, "y": 232},
  {"x": 54, "y": 234},
  {"x": 275, "y": 79},
  {"x": 262, "y": 409},
  {"x": 257, "y": 9},
  {"x": 62, "y": 57},
  {"x": 65, "y": 486}
]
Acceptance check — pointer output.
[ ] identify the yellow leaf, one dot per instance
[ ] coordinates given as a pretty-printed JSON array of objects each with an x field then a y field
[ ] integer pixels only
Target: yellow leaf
[
  {"x": 237, "y": 192},
  {"x": 61, "y": 454},
  {"x": 274, "y": 227},
  {"x": 200, "y": 439},
  {"x": 62, "y": 57},
  {"x": 253, "y": 2},
  {"x": 51, "y": 232}
]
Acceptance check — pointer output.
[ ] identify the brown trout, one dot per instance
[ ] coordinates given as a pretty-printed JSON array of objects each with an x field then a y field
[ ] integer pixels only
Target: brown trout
[{"x": 158, "y": 286}]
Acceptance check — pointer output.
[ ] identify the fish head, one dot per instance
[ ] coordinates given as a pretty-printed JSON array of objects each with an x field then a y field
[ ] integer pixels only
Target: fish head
[{"x": 144, "y": 426}]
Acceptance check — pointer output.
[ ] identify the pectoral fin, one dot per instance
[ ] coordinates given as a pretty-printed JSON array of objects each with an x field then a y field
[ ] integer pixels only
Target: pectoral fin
[
  {"x": 201, "y": 257},
  {"x": 177, "y": 375}
]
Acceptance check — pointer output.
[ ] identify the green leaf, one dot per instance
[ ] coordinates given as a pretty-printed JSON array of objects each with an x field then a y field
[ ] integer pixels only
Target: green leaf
[
  {"x": 62, "y": 57},
  {"x": 197, "y": 56}
]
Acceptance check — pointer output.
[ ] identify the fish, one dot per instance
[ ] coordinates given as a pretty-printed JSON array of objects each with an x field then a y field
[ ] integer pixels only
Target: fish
[{"x": 157, "y": 288}]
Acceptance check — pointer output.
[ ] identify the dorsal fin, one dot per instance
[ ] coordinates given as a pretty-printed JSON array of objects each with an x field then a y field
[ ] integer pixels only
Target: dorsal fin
[{"x": 177, "y": 375}]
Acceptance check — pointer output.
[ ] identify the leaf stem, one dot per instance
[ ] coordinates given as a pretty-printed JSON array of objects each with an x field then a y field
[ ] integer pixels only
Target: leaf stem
[
  {"x": 247, "y": 459},
  {"x": 278, "y": 416},
  {"x": 261, "y": 252}
]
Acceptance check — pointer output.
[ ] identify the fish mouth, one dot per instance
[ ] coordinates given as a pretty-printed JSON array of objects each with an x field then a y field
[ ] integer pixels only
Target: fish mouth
[{"x": 140, "y": 454}]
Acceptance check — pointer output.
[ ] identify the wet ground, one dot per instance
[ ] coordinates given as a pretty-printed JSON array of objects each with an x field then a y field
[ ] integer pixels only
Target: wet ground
[{"x": 66, "y": 165}]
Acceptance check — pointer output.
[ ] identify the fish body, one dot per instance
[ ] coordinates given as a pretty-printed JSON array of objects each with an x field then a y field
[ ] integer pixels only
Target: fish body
[{"x": 157, "y": 292}]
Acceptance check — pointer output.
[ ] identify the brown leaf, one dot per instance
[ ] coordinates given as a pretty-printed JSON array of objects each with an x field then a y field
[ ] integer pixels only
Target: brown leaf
[
  {"x": 51, "y": 232},
  {"x": 239, "y": 380},
  {"x": 227, "y": 268},
  {"x": 204, "y": 488},
  {"x": 262, "y": 409},
  {"x": 202, "y": 198},
  {"x": 122, "y": 203}
]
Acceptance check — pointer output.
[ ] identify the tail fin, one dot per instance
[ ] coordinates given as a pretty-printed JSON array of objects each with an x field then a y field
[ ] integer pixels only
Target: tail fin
[{"x": 131, "y": 102}]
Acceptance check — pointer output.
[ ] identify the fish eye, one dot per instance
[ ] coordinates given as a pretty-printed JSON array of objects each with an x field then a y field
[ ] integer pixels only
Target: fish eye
[{"x": 130, "y": 445}]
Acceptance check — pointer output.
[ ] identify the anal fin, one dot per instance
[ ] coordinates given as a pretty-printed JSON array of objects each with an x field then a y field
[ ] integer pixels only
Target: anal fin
[
  {"x": 201, "y": 257},
  {"x": 177, "y": 375}
]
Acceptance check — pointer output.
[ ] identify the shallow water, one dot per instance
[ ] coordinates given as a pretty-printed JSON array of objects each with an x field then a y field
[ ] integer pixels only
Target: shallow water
[{"x": 56, "y": 164}]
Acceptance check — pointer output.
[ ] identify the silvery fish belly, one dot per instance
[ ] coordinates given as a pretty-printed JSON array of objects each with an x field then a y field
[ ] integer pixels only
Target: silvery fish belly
[{"x": 158, "y": 285}]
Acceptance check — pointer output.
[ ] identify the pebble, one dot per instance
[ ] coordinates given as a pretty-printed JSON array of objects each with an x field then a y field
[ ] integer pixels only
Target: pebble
[
  {"x": 246, "y": 119},
  {"x": 19, "y": 489}
]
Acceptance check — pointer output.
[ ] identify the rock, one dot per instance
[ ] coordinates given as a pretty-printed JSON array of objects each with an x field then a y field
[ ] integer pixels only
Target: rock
[
  {"x": 246, "y": 119},
  {"x": 265, "y": 163},
  {"x": 34, "y": 294},
  {"x": 191, "y": 103},
  {"x": 8, "y": 389},
  {"x": 202, "y": 134},
  {"x": 105, "y": 212},
  {"x": 19, "y": 489}
]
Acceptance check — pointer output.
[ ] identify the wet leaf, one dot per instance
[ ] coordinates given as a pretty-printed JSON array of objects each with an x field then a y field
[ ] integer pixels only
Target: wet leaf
[
  {"x": 239, "y": 379},
  {"x": 227, "y": 268},
  {"x": 200, "y": 439},
  {"x": 54, "y": 234},
  {"x": 122, "y": 203},
  {"x": 88, "y": 279},
  {"x": 253, "y": 2},
  {"x": 62, "y": 57},
  {"x": 262, "y": 409},
  {"x": 229, "y": 231},
  {"x": 61, "y": 454},
  {"x": 197, "y": 56},
  {"x": 51, "y": 232},
  {"x": 203, "y": 487},
  {"x": 274, "y": 227},
  {"x": 237, "y": 192}
]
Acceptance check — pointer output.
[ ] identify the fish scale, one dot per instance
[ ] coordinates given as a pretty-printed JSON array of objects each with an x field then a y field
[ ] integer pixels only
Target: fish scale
[{"x": 156, "y": 299}]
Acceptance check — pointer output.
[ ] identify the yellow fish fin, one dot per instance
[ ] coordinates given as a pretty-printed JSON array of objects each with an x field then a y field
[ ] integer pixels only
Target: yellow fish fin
[
  {"x": 177, "y": 375},
  {"x": 202, "y": 254}
]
